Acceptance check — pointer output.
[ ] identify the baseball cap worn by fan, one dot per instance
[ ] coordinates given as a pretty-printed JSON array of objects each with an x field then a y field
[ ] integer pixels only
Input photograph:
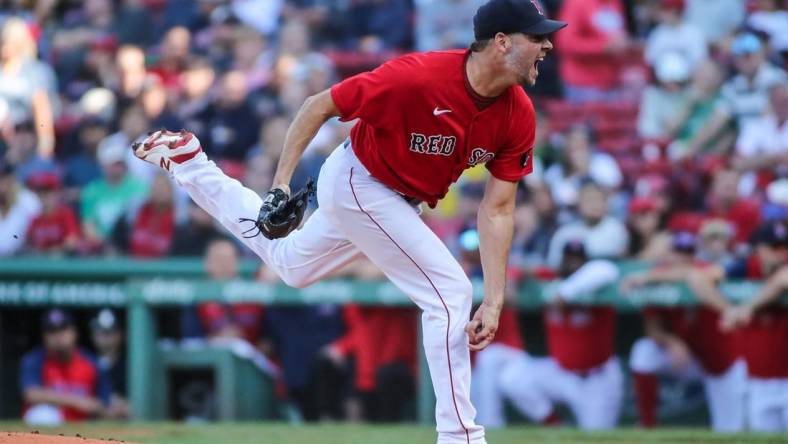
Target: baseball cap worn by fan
[
  {"x": 44, "y": 181},
  {"x": 105, "y": 321},
  {"x": 672, "y": 67},
  {"x": 510, "y": 16},
  {"x": 56, "y": 319},
  {"x": 642, "y": 204},
  {"x": 777, "y": 192},
  {"x": 774, "y": 234},
  {"x": 684, "y": 242},
  {"x": 469, "y": 240},
  {"x": 110, "y": 151},
  {"x": 716, "y": 228},
  {"x": 746, "y": 43}
]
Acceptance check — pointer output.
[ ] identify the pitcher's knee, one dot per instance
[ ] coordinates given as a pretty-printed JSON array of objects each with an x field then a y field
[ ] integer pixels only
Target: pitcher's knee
[
  {"x": 296, "y": 280},
  {"x": 458, "y": 291},
  {"x": 455, "y": 296}
]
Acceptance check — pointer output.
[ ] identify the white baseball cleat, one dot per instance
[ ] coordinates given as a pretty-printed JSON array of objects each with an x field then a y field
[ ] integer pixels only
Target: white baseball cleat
[{"x": 163, "y": 148}]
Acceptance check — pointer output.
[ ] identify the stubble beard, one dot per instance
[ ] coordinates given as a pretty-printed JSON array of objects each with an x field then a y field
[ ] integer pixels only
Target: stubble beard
[{"x": 515, "y": 62}]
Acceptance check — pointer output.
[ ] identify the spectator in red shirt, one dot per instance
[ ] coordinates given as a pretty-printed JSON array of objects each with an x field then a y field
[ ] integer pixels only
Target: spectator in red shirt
[
  {"x": 59, "y": 381},
  {"x": 56, "y": 228},
  {"x": 153, "y": 228},
  {"x": 591, "y": 49},
  {"x": 173, "y": 58},
  {"x": 150, "y": 230},
  {"x": 724, "y": 202}
]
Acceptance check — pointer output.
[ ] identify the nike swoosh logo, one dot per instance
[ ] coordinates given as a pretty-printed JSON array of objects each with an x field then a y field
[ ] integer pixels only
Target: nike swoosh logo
[{"x": 438, "y": 112}]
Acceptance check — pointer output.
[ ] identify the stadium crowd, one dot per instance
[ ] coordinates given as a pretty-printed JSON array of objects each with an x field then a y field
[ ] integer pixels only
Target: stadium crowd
[{"x": 662, "y": 136}]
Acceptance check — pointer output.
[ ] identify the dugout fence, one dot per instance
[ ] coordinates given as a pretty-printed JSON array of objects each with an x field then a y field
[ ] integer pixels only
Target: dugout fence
[{"x": 143, "y": 286}]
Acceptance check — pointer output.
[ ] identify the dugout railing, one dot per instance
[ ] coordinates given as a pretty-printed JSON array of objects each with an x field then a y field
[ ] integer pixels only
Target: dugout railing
[{"x": 143, "y": 286}]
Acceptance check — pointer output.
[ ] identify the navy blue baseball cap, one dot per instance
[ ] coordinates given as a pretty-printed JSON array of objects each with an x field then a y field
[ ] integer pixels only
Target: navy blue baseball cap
[
  {"x": 575, "y": 247},
  {"x": 774, "y": 234},
  {"x": 684, "y": 242},
  {"x": 56, "y": 319},
  {"x": 510, "y": 16}
]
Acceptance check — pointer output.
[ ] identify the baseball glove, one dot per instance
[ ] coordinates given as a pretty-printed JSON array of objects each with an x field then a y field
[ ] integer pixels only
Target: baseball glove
[{"x": 279, "y": 214}]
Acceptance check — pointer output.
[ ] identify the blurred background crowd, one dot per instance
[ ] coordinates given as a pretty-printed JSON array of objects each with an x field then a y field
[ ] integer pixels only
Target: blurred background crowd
[{"x": 662, "y": 136}]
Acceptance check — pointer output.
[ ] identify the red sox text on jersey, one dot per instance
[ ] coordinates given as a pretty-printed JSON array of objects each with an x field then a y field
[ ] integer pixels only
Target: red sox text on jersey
[{"x": 444, "y": 146}]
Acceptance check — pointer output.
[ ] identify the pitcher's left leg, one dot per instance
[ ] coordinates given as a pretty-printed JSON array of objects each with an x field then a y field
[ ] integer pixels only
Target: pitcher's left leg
[{"x": 391, "y": 234}]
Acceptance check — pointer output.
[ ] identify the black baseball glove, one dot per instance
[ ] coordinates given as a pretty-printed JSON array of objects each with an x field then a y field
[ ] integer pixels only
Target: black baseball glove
[{"x": 279, "y": 214}]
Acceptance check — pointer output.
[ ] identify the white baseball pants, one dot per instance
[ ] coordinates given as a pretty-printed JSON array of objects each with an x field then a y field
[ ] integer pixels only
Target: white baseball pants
[
  {"x": 725, "y": 393},
  {"x": 534, "y": 385},
  {"x": 358, "y": 215},
  {"x": 768, "y": 405},
  {"x": 486, "y": 391}
]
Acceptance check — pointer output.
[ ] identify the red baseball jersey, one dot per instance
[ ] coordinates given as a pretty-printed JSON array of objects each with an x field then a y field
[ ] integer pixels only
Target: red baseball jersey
[
  {"x": 765, "y": 338},
  {"x": 79, "y": 376},
  {"x": 247, "y": 317},
  {"x": 509, "y": 329},
  {"x": 49, "y": 231},
  {"x": 765, "y": 341},
  {"x": 152, "y": 232},
  {"x": 699, "y": 328},
  {"x": 580, "y": 338},
  {"x": 379, "y": 336},
  {"x": 419, "y": 127}
]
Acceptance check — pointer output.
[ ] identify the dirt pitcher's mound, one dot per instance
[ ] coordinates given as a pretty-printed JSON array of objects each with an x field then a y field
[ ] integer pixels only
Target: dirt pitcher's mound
[{"x": 35, "y": 438}]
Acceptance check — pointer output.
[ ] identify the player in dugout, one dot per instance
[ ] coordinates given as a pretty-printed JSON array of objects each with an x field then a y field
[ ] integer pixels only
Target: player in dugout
[
  {"x": 687, "y": 342},
  {"x": 762, "y": 325},
  {"x": 582, "y": 370},
  {"x": 60, "y": 381}
]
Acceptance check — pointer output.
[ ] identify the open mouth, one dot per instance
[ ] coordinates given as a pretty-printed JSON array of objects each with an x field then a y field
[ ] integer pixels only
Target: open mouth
[{"x": 536, "y": 63}]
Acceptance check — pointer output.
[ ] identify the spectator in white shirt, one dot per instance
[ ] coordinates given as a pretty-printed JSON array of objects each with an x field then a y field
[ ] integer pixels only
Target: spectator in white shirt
[
  {"x": 580, "y": 161},
  {"x": 603, "y": 235},
  {"x": 763, "y": 143},
  {"x": 445, "y": 24},
  {"x": 716, "y": 18},
  {"x": 18, "y": 207},
  {"x": 745, "y": 96},
  {"x": 771, "y": 19},
  {"x": 661, "y": 102},
  {"x": 675, "y": 35}
]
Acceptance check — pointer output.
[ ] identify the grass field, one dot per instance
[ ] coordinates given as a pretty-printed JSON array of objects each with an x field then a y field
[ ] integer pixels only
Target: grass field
[{"x": 264, "y": 433}]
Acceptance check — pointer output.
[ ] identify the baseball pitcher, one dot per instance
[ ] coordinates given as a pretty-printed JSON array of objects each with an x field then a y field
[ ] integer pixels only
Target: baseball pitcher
[{"x": 422, "y": 120}]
